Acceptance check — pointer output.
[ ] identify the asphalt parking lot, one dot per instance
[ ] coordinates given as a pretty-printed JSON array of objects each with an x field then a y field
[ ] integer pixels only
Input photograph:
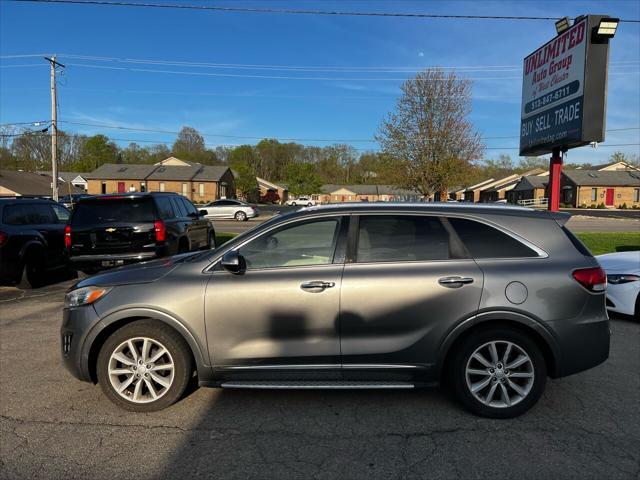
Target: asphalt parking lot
[{"x": 52, "y": 426}]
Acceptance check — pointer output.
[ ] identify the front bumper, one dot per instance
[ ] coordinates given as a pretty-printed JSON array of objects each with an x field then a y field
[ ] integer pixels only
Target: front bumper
[{"x": 77, "y": 322}]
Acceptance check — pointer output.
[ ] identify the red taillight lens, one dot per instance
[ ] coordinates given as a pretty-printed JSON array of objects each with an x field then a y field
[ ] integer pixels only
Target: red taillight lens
[
  {"x": 161, "y": 232},
  {"x": 3, "y": 238},
  {"x": 593, "y": 279},
  {"x": 67, "y": 236}
]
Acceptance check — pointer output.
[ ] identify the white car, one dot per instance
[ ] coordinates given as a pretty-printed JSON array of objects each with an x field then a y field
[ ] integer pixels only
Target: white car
[
  {"x": 623, "y": 282},
  {"x": 229, "y": 208},
  {"x": 305, "y": 201}
]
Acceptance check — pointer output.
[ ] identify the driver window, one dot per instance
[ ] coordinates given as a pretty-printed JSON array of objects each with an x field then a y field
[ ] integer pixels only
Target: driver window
[{"x": 309, "y": 243}]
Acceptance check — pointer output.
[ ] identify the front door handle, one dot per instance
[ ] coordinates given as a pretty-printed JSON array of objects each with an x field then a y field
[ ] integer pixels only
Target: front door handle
[
  {"x": 316, "y": 286},
  {"x": 454, "y": 282}
]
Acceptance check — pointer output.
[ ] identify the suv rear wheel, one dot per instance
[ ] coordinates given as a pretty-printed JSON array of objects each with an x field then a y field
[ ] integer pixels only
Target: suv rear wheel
[
  {"x": 32, "y": 270},
  {"x": 498, "y": 372},
  {"x": 144, "y": 366}
]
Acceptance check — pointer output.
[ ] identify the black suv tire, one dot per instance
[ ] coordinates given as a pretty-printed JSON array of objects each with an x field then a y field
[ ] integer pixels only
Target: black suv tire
[
  {"x": 178, "y": 353},
  {"x": 522, "y": 345}
]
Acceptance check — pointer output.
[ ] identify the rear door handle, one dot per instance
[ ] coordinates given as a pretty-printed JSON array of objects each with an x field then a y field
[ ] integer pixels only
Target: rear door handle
[
  {"x": 316, "y": 286},
  {"x": 454, "y": 282}
]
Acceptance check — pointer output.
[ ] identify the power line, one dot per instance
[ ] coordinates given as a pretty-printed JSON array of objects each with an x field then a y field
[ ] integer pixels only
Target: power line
[
  {"x": 35, "y": 123},
  {"x": 290, "y": 11}
]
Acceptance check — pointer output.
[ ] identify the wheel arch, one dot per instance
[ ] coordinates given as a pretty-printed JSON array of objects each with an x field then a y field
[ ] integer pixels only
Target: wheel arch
[
  {"x": 117, "y": 320},
  {"x": 533, "y": 328},
  {"x": 34, "y": 245}
]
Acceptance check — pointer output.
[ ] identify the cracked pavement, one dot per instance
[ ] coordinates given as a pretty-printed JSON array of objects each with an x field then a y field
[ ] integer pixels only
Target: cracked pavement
[{"x": 53, "y": 426}]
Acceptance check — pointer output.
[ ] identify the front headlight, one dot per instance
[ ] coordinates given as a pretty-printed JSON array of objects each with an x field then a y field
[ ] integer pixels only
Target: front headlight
[
  {"x": 620, "y": 279},
  {"x": 84, "y": 296}
]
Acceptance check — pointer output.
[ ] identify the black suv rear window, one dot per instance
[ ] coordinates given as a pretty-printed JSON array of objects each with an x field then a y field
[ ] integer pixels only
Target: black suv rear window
[
  {"x": 484, "y": 241},
  {"x": 114, "y": 210}
]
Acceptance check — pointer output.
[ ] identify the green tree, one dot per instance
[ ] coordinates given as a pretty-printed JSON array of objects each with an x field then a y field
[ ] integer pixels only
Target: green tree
[
  {"x": 529, "y": 163},
  {"x": 189, "y": 145},
  {"x": 429, "y": 133},
  {"x": 96, "y": 151},
  {"x": 302, "y": 179}
]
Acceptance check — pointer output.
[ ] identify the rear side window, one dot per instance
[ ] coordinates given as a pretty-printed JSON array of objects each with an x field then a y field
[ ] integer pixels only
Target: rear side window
[
  {"x": 62, "y": 214},
  {"x": 400, "y": 238},
  {"x": 124, "y": 210},
  {"x": 165, "y": 210},
  {"x": 484, "y": 241},
  {"x": 178, "y": 207},
  {"x": 189, "y": 207},
  {"x": 28, "y": 214}
]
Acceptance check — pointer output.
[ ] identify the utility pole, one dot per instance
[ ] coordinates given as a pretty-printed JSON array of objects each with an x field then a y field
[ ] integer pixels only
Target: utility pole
[{"x": 54, "y": 127}]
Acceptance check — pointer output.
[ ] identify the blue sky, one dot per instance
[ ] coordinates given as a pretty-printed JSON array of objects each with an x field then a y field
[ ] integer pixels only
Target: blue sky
[{"x": 338, "y": 98}]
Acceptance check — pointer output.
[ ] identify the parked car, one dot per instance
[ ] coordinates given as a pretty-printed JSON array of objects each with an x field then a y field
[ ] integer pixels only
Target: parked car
[
  {"x": 69, "y": 201},
  {"x": 623, "y": 282},
  {"x": 488, "y": 300},
  {"x": 31, "y": 240},
  {"x": 105, "y": 231},
  {"x": 229, "y": 208},
  {"x": 306, "y": 201}
]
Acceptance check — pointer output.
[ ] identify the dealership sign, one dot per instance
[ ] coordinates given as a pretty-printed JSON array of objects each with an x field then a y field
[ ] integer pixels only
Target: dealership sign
[{"x": 564, "y": 91}]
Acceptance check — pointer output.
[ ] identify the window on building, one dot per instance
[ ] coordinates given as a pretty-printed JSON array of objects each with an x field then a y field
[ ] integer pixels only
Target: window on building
[
  {"x": 484, "y": 241},
  {"x": 201, "y": 189},
  {"x": 400, "y": 238},
  {"x": 103, "y": 187},
  {"x": 636, "y": 195},
  {"x": 594, "y": 194},
  {"x": 185, "y": 189},
  {"x": 162, "y": 186}
]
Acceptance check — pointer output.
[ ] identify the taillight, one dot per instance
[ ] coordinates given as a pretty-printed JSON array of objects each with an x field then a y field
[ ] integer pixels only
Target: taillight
[
  {"x": 161, "y": 232},
  {"x": 67, "y": 237},
  {"x": 593, "y": 279},
  {"x": 3, "y": 238}
]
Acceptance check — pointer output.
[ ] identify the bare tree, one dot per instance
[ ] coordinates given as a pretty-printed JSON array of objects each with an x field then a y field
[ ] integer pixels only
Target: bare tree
[{"x": 429, "y": 135}]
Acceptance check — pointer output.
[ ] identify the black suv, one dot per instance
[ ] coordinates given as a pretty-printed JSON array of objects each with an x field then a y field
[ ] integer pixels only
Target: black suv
[
  {"x": 31, "y": 239},
  {"x": 111, "y": 230}
]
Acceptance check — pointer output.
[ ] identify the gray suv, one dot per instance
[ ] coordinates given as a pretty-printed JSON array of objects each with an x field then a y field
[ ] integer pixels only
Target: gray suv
[{"x": 487, "y": 300}]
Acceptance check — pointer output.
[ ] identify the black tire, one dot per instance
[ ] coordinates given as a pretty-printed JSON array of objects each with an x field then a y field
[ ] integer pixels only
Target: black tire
[
  {"x": 457, "y": 379},
  {"x": 171, "y": 340},
  {"x": 309, "y": 204},
  {"x": 32, "y": 275},
  {"x": 241, "y": 216},
  {"x": 293, "y": 204},
  {"x": 183, "y": 246}
]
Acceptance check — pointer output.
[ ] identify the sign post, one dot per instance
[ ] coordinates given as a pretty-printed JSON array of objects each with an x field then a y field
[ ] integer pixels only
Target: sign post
[{"x": 564, "y": 96}]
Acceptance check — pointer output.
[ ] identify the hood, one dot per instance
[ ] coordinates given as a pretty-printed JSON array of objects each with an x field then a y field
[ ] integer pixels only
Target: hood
[
  {"x": 623, "y": 262},
  {"x": 144, "y": 272}
]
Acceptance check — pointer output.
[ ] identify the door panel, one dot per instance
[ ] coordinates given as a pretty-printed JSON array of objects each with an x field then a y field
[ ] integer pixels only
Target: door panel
[
  {"x": 398, "y": 313},
  {"x": 609, "y": 198},
  {"x": 264, "y": 318}
]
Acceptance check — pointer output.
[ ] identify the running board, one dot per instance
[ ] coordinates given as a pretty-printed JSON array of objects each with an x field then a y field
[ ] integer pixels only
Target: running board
[{"x": 304, "y": 385}]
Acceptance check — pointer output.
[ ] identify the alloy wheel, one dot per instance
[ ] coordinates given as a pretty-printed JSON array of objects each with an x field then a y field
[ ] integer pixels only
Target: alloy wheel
[
  {"x": 499, "y": 374},
  {"x": 141, "y": 370}
]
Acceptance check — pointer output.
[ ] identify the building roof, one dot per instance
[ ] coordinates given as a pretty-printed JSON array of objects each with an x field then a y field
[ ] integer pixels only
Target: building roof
[
  {"x": 368, "y": 189},
  {"x": 211, "y": 172},
  {"x": 121, "y": 171},
  {"x": 66, "y": 176},
  {"x": 505, "y": 186},
  {"x": 174, "y": 161},
  {"x": 28, "y": 183},
  {"x": 473, "y": 187},
  {"x": 614, "y": 166},
  {"x": 606, "y": 178},
  {"x": 268, "y": 184},
  {"x": 174, "y": 172},
  {"x": 530, "y": 182}
]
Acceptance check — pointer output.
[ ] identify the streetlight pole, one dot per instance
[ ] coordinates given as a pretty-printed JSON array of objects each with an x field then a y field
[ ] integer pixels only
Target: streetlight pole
[{"x": 54, "y": 128}]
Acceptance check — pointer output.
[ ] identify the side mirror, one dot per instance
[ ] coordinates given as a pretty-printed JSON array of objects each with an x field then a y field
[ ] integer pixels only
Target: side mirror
[
  {"x": 233, "y": 262},
  {"x": 203, "y": 213}
]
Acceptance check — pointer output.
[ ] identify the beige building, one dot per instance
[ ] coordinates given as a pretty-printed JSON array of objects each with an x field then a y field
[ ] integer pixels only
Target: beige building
[
  {"x": 199, "y": 183},
  {"x": 365, "y": 193},
  {"x": 590, "y": 188},
  {"x": 17, "y": 183}
]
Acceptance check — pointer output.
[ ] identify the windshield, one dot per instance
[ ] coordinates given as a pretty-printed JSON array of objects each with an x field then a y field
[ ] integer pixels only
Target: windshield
[{"x": 114, "y": 211}]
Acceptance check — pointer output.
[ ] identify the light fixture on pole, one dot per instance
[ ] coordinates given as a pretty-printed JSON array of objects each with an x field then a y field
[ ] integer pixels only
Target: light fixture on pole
[
  {"x": 562, "y": 25},
  {"x": 606, "y": 28}
]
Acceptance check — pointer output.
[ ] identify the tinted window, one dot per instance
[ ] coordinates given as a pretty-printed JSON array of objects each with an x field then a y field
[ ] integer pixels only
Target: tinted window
[
  {"x": 484, "y": 241},
  {"x": 114, "y": 211},
  {"x": 223, "y": 203},
  {"x": 165, "y": 210},
  {"x": 189, "y": 207},
  {"x": 398, "y": 238},
  {"x": 310, "y": 243},
  {"x": 62, "y": 214},
  {"x": 28, "y": 214},
  {"x": 178, "y": 207}
]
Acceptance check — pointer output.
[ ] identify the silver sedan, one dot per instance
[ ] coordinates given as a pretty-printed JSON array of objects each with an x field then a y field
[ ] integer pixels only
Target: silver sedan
[{"x": 229, "y": 208}]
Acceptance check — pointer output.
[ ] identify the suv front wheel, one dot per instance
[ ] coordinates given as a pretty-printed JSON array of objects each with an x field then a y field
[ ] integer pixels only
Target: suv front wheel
[
  {"x": 144, "y": 366},
  {"x": 498, "y": 372}
]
